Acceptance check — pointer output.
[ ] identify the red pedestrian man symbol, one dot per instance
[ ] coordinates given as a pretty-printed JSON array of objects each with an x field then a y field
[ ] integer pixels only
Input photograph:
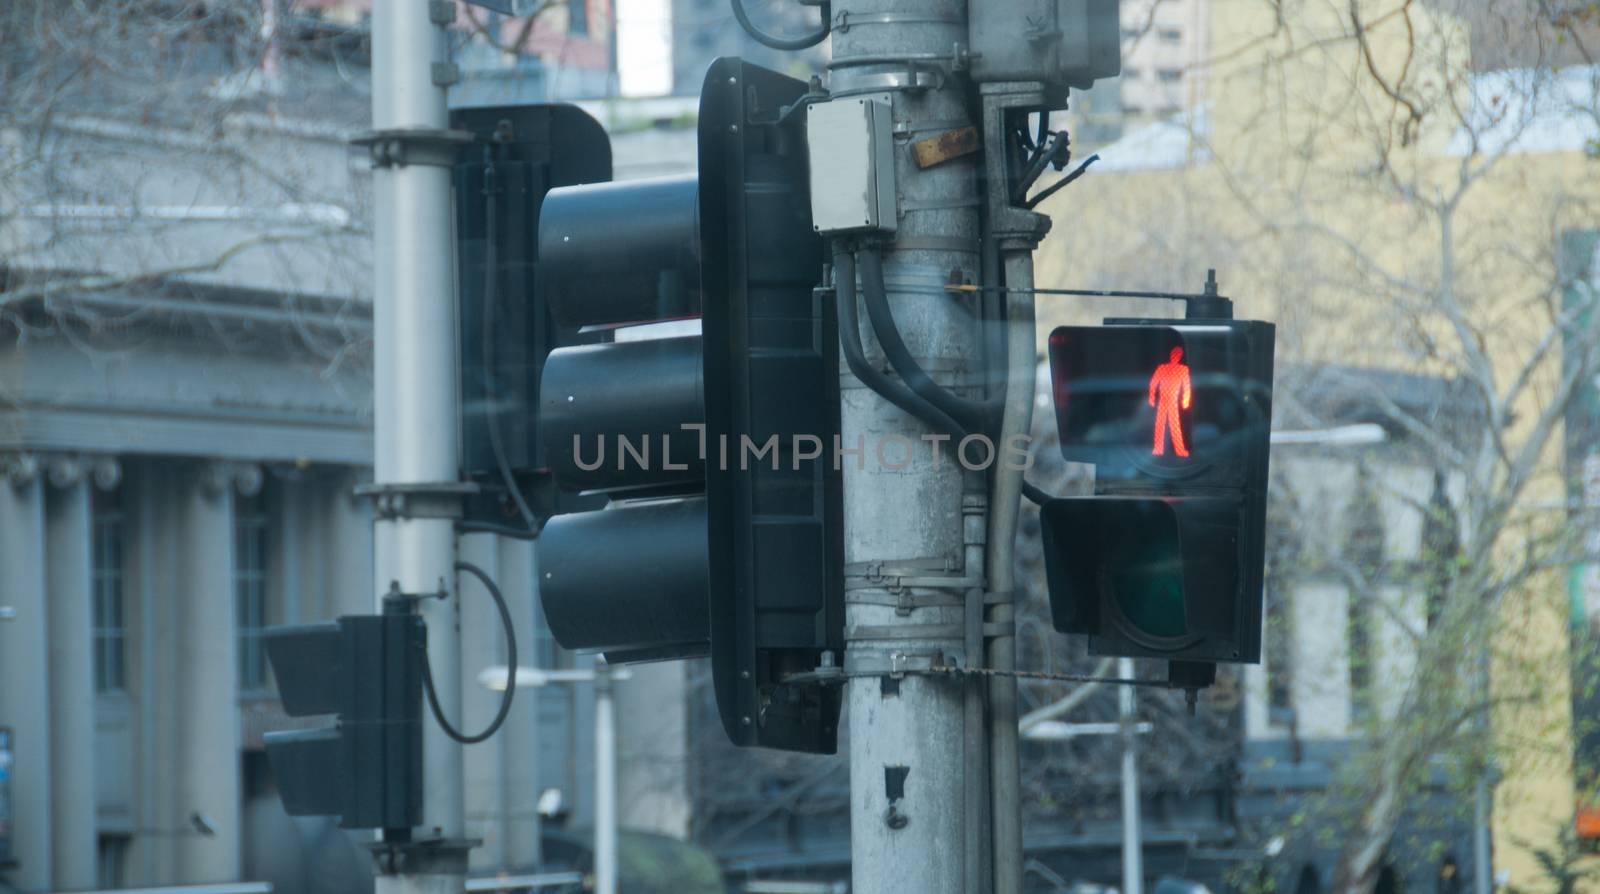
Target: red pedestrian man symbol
[{"x": 1169, "y": 391}]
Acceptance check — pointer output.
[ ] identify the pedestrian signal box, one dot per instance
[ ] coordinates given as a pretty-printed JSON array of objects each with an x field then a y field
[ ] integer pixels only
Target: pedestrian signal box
[{"x": 1165, "y": 560}]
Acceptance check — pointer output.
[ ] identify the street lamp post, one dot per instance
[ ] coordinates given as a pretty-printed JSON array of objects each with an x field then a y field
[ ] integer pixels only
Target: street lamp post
[
  {"x": 604, "y": 678},
  {"x": 1129, "y": 727}
]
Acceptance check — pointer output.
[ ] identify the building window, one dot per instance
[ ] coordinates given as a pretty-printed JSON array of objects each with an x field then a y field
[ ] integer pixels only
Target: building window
[
  {"x": 112, "y": 861},
  {"x": 577, "y": 16},
  {"x": 250, "y": 588},
  {"x": 1170, "y": 35},
  {"x": 105, "y": 571},
  {"x": 1169, "y": 75}
]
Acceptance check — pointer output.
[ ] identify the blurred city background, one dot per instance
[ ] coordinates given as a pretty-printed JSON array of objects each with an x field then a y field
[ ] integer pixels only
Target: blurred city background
[{"x": 1408, "y": 187}]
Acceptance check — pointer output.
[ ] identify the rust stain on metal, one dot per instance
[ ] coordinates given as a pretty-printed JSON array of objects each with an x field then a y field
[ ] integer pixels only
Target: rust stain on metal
[{"x": 944, "y": 147}]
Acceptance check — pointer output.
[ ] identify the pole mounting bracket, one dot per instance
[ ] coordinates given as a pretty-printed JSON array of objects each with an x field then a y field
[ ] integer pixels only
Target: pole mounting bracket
[
  {"x": 434, "y": 855},
  {"x": 434, "y": 499},
  {"x": 400, "y": 146}
]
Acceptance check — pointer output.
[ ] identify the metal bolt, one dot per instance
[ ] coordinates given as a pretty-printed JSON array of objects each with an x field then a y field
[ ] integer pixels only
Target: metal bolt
[
  {"x": 733, "y": 128},
  {"x": 745, "y": 719}
]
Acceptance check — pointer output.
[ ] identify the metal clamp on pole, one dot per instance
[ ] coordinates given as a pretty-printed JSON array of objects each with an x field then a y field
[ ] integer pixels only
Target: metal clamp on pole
[
  {"x": 436, "y": 499},
  {"x": 398, "y": 147},
  {"x": 422, "y": 856}
]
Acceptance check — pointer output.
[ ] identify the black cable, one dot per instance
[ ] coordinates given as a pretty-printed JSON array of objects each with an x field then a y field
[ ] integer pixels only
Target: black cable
[
  {"x": 784, "y": 43},
  {"x": 467, "y": 526},
  {"x": 844, "y": 277},
  {"x": 1035, "y": 496},
  {"x": 1057, "y": 154},
  {"x": 491, "y": 278},
  {"x": 972, "y": 414},
  {"x": 511, "y": 667},
  {"x": 1057, "y": 186}
]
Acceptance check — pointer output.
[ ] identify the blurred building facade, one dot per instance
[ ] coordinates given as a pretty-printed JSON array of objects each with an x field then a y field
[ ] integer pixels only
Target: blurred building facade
[{"x": 185, "y": 410}]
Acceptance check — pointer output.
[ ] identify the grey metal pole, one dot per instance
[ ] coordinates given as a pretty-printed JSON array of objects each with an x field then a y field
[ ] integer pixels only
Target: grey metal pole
[
  {"x": 605, "y": 782},
  {"x": 1132, "y": 845},
  {"x": 907, "y": 754},
  {"x": 415, "y": 389},
  {"x": 1005, "y": 782}
]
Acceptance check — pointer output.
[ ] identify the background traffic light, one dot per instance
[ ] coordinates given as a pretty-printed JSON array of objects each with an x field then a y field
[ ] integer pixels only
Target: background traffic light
[
  {"x": 516, "y": 156},
  {"x": 367, "y": 670},
  {"x": 706, "y": 547},
  {"x": 1165, "y": 560}
]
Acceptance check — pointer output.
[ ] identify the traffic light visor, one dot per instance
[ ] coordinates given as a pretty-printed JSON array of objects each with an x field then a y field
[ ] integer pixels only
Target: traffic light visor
[{"x": 1156, "y": 572}]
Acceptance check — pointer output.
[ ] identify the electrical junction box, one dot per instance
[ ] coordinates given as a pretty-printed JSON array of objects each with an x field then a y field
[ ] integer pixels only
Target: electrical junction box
[
  {"x": 851, "y": 148},
  {"x": 1069, "y": 43}
]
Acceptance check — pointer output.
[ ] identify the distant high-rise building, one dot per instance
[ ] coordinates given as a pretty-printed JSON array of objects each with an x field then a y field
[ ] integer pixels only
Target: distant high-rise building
[{"x": 1163, "y": 43}]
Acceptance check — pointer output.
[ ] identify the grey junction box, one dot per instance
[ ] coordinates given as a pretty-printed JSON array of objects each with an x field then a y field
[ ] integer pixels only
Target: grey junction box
[{"x": 851, "y": 148}]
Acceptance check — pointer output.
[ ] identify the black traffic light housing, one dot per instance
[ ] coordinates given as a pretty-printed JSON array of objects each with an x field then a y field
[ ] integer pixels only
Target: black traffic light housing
[
  {"x": 367, "y": 670},
  {"x": 1165, "y": 560},
  {"x": 712, "y": 544},
  {"x": 517, "y": 154}
]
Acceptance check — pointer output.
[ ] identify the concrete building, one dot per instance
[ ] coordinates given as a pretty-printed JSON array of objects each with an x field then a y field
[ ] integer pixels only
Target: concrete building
[
  {"x": 185, "y": 409},
  {"x": 1164, "y": 43}
]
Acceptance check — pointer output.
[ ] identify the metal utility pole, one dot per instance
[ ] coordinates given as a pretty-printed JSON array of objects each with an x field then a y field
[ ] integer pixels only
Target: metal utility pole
[
  {"x": 605, "y": 679},
  {"x": 1132, "y": 846},
  {"x": 910, "y": 811},
  {"x": 605, "y": 781},
  {"x": 416, "y": 463}
]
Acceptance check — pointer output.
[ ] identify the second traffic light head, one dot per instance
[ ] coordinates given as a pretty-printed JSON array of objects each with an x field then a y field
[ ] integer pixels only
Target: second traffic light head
[
  {"x": 701, "y": 552},
  {"x": 1165, "y": 560}
]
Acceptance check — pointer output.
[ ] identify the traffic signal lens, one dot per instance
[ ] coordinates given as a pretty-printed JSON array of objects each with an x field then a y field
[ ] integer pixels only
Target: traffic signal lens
[{"x": 1147, "y": 585}]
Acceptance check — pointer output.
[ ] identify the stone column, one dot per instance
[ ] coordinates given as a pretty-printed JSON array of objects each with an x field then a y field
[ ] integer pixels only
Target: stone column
[
  {"x": 154, "y": 545},
  {"x": 207, "y": 752},
  {"x": 24, "y": 668},
  {"x": 353, "y": 591},
  {"x": 68, "y": 554}
]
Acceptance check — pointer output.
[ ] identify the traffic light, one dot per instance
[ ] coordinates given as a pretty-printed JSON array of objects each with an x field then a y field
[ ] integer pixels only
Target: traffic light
[
  {"x": 723, "y": 533},
  {"x": 515, "y": 156},
  {"x": 1165, "y": 560},
  {"x": 366, "y": 769}
]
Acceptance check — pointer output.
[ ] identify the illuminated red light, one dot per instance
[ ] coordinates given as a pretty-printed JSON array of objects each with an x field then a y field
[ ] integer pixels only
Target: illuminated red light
[{"x": 1170, "y": 393}]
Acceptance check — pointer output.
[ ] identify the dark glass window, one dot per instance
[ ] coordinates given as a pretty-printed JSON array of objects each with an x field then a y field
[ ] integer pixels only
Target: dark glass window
[
  {"x": 106, "y": 580},
  {"x": 250, "y": 588}
]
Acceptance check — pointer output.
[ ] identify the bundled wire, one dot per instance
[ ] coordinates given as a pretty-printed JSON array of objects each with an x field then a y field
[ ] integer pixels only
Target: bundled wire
[
  {"x": 895, "y": 392},
  {"x": 784, "y": 43},
  {"x": 511, "y": 667},
  {"x": 973, "y": 415}
]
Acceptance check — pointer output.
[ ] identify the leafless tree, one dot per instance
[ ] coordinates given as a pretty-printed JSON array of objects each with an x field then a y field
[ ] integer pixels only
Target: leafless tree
[{"x": 1371, "y": 177}]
